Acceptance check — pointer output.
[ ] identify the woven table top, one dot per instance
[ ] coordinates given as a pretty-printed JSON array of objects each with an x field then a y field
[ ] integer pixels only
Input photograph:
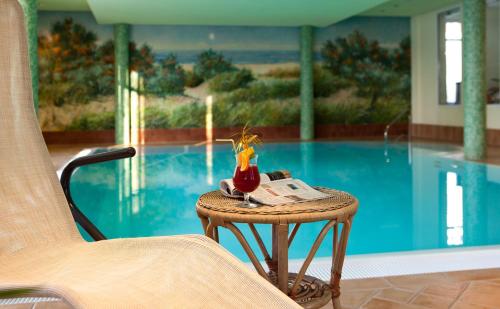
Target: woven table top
[{"x": 339, "y": 206}]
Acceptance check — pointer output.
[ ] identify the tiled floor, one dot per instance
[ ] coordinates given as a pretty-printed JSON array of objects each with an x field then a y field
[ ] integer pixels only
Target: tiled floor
[{"x": 475, "y": 289}]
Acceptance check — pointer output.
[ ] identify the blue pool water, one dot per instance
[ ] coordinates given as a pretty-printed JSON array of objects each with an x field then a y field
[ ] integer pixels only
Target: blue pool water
[{"x": 411, "y": 198}]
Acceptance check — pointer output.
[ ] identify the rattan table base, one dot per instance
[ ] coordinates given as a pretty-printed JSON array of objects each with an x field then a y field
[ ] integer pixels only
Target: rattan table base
[
  {"x": 312, "y": 292},
  {"x": 337, "y": 211}
]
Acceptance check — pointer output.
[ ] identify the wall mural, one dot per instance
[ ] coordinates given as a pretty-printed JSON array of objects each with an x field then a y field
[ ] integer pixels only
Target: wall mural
[
  {"x": 243, "y": 74},
  {"x": 76, "y": 60}
]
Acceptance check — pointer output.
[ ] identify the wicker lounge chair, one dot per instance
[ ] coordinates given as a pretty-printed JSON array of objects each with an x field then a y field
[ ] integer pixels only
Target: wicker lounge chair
[{"x": 40, "y": 246}]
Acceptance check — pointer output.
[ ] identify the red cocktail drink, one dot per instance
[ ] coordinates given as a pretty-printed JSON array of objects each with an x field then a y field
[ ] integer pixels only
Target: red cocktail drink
[
  {"x": 248, "y": 180},
  {"x": 246, "y": 177}
]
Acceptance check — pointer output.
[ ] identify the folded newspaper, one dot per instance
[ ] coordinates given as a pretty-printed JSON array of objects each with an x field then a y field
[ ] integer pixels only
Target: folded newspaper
[{"x": 276, "y": 188}]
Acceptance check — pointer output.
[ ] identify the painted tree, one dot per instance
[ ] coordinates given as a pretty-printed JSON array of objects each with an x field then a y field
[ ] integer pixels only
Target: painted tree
[
  {"x": 67, "y": 63},
  {"x": 402, "y": 56},
  {"x": 211, "y": 63},
  {"x": 402, "y": 65},
  {"x": 173, "y": 75},
  {"x": 363, "y": 63},
  {"x": 105, "y": 60},
  {"x": 168, "y": 79},
  {"x": 73, "y": 46},
  {"x": 142, "y": 60}
]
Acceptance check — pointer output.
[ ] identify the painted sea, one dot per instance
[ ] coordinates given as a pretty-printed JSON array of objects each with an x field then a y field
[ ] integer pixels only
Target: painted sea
[{"x": 241, "y": 56}]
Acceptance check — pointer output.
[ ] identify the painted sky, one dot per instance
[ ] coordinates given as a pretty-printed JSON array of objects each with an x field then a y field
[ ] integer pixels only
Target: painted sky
[
  {"x": 389, "y": 31},
  {"x": 182, "y": 38}
]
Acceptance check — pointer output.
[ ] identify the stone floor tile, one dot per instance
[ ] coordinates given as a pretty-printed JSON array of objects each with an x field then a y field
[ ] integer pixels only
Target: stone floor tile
[
  {"x": 496, "y": 281},
  {"x": 431, "y": 301},
  {"x": 377, "y": 303},
  {"x": 479, "y": 274},
  {"x": 450, "y": 290},
  {"x": 482, "y": 293},
  {"x": 354, "y": 298},
  {"x": 327, "y": 306},
  {"x": 398, "y": 295},
  {"x": 416, "y": 282},
  {"x": 461, "y": 305},
  {"x": 363, "y": 284}
]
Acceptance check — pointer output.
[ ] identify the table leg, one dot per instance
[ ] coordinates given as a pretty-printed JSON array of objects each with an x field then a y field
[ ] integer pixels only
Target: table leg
[
  {"x": 211, "y": 231},
  {"x": 204, "y": 223},
  {"x": 216, "y": 234},
  {"x": 273, "y": 267},
  {"x": 338, "y": 262},
  {"x": 282, "y": 249}
]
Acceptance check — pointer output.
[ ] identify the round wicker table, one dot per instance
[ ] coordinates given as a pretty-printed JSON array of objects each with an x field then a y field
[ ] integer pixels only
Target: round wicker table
[{"x": 215, "y": 210}]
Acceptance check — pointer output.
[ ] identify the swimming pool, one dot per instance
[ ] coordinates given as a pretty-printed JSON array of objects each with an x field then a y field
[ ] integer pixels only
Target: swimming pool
[{"x": 411, "y": 198}]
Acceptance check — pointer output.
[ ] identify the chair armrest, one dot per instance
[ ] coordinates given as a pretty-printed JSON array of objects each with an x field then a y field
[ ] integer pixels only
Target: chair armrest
[{"x": 65, "y": 180}]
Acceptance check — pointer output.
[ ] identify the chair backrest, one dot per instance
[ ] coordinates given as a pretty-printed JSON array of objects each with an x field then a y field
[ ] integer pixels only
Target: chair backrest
[{"x": 33, "y": 209}]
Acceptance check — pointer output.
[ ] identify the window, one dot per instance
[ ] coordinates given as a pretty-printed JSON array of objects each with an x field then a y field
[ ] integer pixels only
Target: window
[
  {"x": 492, "y": 51},
  {"x": 450, "y": 57}
]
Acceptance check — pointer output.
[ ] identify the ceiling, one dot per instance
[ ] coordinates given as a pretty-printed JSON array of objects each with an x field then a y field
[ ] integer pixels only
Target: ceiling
[
  {"x": 241, "y": 12},
  {"x": 408, "y": 7},
  {"x": 63, "y": 5},
  {"x": 216, "y": 12},
  {"x": 229, "y": 12}
]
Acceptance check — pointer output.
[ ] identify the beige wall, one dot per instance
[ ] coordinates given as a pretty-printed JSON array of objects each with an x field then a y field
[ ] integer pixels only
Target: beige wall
[{"x": 425, "y": 94}]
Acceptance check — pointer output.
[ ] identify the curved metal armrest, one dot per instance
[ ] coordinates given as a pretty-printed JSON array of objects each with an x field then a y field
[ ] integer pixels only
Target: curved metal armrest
[{"x": 68, "y": 170}]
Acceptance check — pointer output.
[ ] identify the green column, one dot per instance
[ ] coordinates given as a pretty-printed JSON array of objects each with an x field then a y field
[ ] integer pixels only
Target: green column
[
  {"x": 474, "y": 78},
  {"x": 31, "y": 20},
  {"x": 306, "y": 83},
  {"x": 122, "y": 93}
]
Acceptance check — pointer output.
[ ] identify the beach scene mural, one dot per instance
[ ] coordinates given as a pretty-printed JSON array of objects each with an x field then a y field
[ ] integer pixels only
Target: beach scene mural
[
  {"x": 251, "y": 74},
  {"x": 238, "y": 75}
]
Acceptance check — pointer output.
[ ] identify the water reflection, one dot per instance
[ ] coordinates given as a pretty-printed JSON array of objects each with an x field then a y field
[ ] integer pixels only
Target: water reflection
[
  {"x": 307, "y": 159},
  {"x": 210, "y": 163},
  {"x": 462, "y": 193},
  {"x": 210, "y": 137},
  {"x": 476, "y": 203},
  {"x": 454, "y": 210}
]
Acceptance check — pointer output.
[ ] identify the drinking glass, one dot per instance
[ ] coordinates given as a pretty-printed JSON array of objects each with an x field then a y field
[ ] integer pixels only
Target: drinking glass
[{"x": 246, "y": 181}]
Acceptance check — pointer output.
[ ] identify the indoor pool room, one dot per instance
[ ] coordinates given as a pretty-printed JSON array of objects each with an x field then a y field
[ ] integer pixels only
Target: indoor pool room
[{"x": 250, "y": 154}]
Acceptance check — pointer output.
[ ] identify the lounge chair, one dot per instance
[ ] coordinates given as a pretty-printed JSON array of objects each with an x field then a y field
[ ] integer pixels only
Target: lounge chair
[{"x": 41, "y": 248}]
